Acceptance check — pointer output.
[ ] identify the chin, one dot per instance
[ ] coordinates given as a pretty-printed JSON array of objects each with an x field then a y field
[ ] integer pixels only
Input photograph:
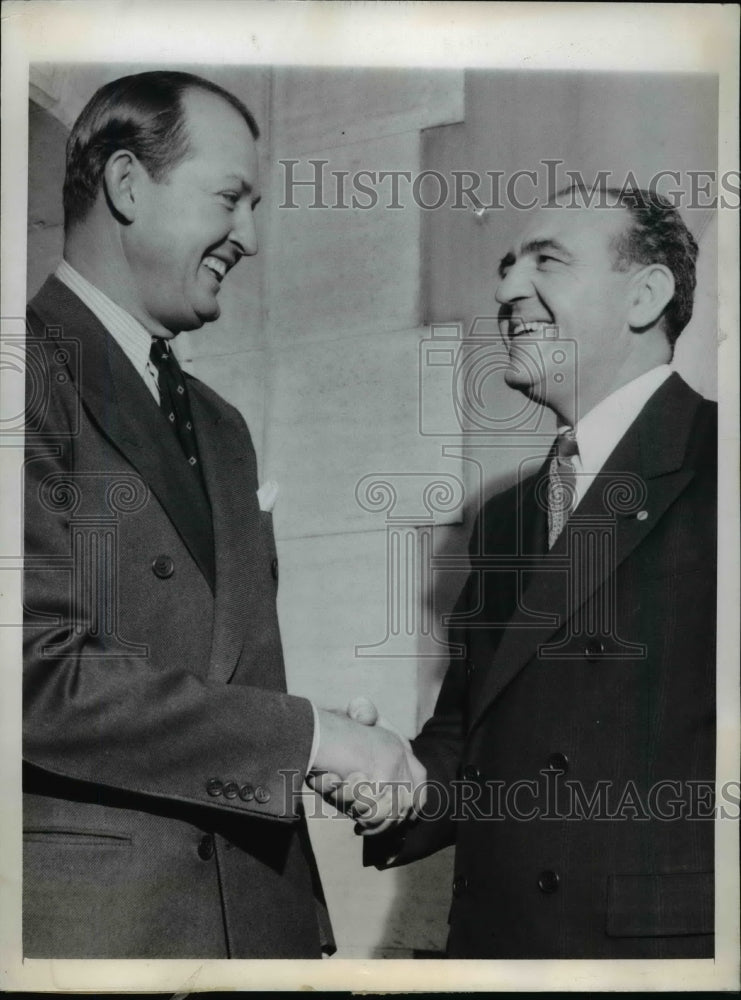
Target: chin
[
  {"x": 213, "y": 313},
  {"x": 517, "y": 379},
  {"x": 524, "y": 384},
  {"x": 200, "y": 318}
]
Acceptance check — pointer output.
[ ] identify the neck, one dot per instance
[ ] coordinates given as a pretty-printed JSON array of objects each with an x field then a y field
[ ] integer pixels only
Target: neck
[
  {"x": 96, "y": 253},
  {"x": 590, "y": 392}
]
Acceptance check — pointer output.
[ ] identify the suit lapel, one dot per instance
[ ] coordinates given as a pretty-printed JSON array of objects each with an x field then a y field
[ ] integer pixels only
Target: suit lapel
[
  {"x": 116, "y": 398},
  {"x": 644, "y": 475},
  {"x": 230, "y": 472}
]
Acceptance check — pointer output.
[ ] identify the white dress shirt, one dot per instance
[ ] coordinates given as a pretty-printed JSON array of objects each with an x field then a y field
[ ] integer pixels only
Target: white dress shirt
[
  {"x": 128, "y": 332},
  {"x": 136, "y": 343},
  {"x": 599, "y": 431}
]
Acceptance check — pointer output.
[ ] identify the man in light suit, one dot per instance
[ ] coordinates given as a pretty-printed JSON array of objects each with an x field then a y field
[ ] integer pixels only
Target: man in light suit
[
  {"x": 570, "y": 758},
  {"x": 163, "y": 758}
]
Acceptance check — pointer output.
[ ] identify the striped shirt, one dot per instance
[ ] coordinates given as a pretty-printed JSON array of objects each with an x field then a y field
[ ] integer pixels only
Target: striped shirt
[{"x": 128, "y": 332}]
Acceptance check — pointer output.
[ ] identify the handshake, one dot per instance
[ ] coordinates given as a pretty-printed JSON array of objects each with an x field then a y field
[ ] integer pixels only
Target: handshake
[{"x": 366, "y": 769}]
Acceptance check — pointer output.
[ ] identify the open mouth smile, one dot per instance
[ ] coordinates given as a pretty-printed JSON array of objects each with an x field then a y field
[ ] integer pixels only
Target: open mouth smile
[
  {"x": 216, "y": 266},
  {"x": 516, "y": 327}
]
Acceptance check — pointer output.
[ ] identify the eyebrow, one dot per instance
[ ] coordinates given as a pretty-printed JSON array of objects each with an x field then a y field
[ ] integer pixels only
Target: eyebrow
[
  {"x": 533, "y": 247},
  {"x": 506, "y": 261}
]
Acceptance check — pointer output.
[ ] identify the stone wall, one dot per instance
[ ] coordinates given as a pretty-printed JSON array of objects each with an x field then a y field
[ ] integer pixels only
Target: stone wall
[{"x": 323, "y": 344}]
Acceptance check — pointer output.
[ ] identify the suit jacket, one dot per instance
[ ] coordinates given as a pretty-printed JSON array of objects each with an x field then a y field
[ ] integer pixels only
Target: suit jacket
[
  {"x": 573, "y": 745},
  {"x": 163, "y": 759}
]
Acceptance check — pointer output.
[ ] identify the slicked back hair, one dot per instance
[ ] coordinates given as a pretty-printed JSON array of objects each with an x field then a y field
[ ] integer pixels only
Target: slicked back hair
[
  {"x": 655, "y": 234},
  {"x": 143, "y": 113}
]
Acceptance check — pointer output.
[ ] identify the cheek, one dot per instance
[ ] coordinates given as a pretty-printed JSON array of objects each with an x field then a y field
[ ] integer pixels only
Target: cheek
[
  {"x": 586, "y": 307},
  {"x": 154, "y": 240}
]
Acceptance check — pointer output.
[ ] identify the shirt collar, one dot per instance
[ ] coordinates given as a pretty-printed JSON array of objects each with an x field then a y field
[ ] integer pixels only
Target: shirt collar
[
  {"x": 131, "y": 336},
  {"x": 599, "y": 431}
]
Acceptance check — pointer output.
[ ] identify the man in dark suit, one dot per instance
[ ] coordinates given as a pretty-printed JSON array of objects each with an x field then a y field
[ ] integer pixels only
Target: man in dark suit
[
  {"x": 570, "y": 758},
  {"x": 163, "y": 758}
]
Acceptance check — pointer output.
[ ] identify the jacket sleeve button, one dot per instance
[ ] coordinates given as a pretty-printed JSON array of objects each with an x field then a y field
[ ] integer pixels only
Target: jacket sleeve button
[
  {"x": 214, "y": 787},
  {"x": 163, "y": 567},
  {"x": 262, "y": 795},
  {"x": 246, "y": 793},
  {"x": 231, "y": 790}
]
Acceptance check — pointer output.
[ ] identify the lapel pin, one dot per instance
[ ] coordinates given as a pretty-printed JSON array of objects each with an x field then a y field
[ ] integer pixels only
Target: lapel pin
[{"x": 642, "y": 515}]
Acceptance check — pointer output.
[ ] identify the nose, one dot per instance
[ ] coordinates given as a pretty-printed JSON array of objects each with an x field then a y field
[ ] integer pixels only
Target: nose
[
  {"x": 244, "y": 232},
  {"x": 515, "y": 284}
]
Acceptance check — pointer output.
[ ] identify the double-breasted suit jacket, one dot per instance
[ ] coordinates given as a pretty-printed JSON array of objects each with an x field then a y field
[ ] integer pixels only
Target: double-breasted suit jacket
[
  {"x": 573, "y": 741},
  {"x": 162, "y": 755}
]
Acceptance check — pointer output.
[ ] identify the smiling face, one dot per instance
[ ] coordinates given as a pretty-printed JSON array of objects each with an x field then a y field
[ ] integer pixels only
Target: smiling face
[
  {"x": 558, "y": 285},
  {"x": 194, "y": 224}
]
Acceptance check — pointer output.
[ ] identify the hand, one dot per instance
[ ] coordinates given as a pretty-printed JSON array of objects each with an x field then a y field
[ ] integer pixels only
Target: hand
[{"x": 370, "y": 775}]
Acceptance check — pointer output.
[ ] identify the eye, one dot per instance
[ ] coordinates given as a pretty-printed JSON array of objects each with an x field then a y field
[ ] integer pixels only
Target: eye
[
  {"x": 545, "y": 259},
  {"x": 230, "y": 197}
]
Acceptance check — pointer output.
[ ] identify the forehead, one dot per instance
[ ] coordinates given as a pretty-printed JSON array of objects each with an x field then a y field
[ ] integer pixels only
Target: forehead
[
  {"x": 218, "y": 133},
  {"x": 581, "y": 231}
]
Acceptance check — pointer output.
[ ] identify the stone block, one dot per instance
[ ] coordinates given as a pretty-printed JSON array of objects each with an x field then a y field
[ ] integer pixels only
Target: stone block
[
  {"x": 331, "y": 107},
  {"x": 343, "y": 271},
  {"x": 239, "y": 378},
  {"x": 333, "y": 607},
  {"x": 343, "y": 420}
]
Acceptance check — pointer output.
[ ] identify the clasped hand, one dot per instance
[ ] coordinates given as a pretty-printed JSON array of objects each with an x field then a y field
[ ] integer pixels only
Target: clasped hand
[{"x": 365, "y": 768}]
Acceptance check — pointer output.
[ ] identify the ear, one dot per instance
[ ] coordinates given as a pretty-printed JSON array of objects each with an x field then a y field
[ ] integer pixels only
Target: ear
[
  {"x": 651, "y": 290},
  {"x": 120, "y": 180}
]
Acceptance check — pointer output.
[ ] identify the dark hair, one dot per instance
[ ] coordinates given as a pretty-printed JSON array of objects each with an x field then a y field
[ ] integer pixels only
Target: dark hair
[
  {"x": 655, "y": 234},
  {"x": 142, "y": 113}
]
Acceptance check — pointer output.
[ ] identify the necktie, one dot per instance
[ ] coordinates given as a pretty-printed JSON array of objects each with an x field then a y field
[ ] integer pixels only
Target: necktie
[
  {"x": 174, "y": 401},
  {"x": 561, "y": 484}
]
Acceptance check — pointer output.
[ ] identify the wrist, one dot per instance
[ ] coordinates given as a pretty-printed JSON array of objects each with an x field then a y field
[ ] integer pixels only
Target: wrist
[{"x": 336, "y": 749}]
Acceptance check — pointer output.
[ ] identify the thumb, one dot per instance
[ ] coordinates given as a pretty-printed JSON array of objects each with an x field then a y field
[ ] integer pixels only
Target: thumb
[{"x": 362, "y": 710}]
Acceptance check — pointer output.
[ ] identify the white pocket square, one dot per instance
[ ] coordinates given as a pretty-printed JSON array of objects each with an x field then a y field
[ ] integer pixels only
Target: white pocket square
[{"x": 267, "y": 495}]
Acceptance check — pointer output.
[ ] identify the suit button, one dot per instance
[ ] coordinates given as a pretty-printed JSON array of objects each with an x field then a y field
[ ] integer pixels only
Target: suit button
[
  {"x": 594, "y": 649},
  {"x": 262, "y": 795},
  {"x": 274, "y": 569},
  {"x": 206, "y": 848},
  {"x": 246, "y": 793},
  {"x": 214, "y": 787},
  {"x": 163, "y": 567},
  {"x": 471, "y": 773},
  {"x": 460, "y": 884},
  {"x": 558, "y": 762},
  {"x": 548, "y": 882},
  {"x": 231, "y": 790}
]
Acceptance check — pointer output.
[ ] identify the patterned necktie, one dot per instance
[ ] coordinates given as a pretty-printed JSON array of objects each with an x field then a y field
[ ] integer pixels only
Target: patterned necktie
[
  {"x": 561, "y": 484},
  {"x": 174, "y": 401}
]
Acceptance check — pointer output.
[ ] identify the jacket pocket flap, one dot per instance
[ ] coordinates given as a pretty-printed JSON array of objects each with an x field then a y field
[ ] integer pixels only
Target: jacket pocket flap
[
  {"x": 76, "y": 838},
  {"x": 660, "y": 905}
]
